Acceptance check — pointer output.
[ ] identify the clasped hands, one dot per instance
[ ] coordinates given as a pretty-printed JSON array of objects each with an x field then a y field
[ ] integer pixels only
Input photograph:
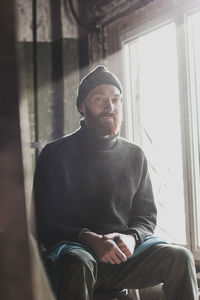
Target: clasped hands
[{"x": 112, "y": 248}]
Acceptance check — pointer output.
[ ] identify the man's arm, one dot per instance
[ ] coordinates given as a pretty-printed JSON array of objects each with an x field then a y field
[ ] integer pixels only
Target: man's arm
[
  {"x": 143, "y": 219},
  {"x": 49, "y": 228},
  {"x": 144, "y": 213}
]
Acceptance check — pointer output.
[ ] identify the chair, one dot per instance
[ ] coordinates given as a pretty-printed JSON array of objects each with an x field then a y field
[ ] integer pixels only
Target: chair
[{"x": 109, "y": 294}]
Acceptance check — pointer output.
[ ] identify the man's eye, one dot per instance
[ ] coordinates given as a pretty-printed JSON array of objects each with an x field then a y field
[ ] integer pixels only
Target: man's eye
[
  {"x": 116, "y": 100},
  {"x": 99, "y": 99}
]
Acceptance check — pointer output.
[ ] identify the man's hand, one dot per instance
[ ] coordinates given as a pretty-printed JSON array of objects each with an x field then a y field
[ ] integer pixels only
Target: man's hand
[
  {"x": 125, "y": 242},
  {"x": 104, "y": 248}
]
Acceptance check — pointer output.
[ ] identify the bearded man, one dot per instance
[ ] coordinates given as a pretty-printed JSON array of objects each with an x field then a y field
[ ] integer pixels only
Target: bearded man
[{"x": 93, "y": 196}]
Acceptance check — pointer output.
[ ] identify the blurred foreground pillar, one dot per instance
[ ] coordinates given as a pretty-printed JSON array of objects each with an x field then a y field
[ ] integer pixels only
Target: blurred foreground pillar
[{"x": 21, "y": 274}]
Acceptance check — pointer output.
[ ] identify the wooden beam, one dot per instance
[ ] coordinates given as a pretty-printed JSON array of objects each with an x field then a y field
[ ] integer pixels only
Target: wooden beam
[{"x": 15, "y": 273}]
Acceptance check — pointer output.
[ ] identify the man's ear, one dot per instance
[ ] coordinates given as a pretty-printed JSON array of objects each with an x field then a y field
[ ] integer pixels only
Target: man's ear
[{"x": 82, "y": 108}]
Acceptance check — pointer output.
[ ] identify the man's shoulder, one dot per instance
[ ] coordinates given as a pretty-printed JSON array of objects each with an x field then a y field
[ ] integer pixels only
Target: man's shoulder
[
  {"x": 132, "y": 153},
  {"x": 61, "y": 141},
  {"x": 130, "y": 146},
  {"x": 59, "y": 145}
]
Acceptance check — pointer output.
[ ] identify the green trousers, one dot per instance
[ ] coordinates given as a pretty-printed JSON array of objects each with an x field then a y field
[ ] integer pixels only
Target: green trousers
[{"x": 171, "y": 265}]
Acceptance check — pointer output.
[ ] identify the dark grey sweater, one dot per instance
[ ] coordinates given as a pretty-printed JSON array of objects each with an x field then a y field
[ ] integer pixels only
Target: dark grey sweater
[{"x": 82, "y": 181}]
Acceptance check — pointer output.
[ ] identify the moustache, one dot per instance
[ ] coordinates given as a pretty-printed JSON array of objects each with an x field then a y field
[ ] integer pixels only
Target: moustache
[{"x": 107, "y": 115}]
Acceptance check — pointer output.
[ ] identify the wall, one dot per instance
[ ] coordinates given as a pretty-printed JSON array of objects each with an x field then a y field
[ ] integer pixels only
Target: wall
[
  {"x": 57, "y": 62},
  {"x": 52, "y": 66},
  {"x": 57, "y": 76}
]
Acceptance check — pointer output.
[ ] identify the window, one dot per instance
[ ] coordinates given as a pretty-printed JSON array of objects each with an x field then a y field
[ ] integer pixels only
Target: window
[
  {"x": 153, "y": 74},
  {"x": 155, "y": 120}
]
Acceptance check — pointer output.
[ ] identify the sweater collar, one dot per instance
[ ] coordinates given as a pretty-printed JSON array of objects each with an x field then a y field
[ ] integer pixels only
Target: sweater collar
[{"x": 96, "y": 142}]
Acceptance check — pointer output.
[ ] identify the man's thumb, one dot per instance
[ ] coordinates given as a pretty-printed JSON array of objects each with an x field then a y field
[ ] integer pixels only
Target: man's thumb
[{"x": 106, "y": 237}]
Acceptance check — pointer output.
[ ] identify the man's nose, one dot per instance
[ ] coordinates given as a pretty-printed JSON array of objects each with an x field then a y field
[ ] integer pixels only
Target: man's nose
[{"x": 109, "y": 105}]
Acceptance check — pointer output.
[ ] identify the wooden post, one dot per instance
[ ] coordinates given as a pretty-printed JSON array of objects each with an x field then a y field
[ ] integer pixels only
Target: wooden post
[{"x": 15, "y": 270}]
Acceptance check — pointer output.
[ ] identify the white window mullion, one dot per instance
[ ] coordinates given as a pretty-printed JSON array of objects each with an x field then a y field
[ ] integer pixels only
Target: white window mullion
[
  {"x": 185, "y": 129},
  {"x": 192, "y": 25}
]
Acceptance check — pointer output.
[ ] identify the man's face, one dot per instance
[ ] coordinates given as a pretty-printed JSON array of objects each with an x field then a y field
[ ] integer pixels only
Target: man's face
[{"x": 102, "y": 110}]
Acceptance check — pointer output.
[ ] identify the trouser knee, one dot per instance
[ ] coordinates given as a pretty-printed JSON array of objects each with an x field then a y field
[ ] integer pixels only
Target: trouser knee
[
  {"x": 182, "y": 255},
  {"x": 78, "y": 275},
  {"x": 178, "y": 261},
  {"x": 80, "y": 261},
  {"x": 179, "y": 274}
]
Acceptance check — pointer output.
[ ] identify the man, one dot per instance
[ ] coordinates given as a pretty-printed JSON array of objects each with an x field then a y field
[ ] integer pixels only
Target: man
[{"x": 93, "y": 187}]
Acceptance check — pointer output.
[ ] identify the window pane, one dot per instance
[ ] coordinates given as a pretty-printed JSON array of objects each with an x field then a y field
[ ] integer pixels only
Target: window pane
[
  {"x": 152, "y": 72},
  {"x": 193, "y": 26}
]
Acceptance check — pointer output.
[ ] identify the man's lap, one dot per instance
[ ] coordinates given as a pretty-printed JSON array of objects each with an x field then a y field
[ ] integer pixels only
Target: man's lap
[{"x": 144, "y": 270}]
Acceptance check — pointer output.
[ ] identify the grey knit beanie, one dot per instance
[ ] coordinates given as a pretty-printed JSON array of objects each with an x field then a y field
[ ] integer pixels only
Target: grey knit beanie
[{"x": 100, "y": 75}]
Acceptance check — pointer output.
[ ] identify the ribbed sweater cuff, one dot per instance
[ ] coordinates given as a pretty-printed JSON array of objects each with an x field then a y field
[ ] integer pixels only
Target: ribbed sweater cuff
[{"x": 81, "y": 232}]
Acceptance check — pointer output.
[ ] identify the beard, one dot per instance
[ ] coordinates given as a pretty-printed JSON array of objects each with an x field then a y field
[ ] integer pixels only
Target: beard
[{"x": 100, "y": 126}]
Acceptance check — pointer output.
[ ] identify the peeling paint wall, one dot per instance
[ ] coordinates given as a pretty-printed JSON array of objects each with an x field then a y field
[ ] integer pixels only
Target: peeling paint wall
[
  {"x": 48, "y": 40},
  {"x": 58, "y": 76},
  {"x": 24, "y": 19},
  {"x": 45, "y": 43},
  {"x": 24, "y": 16}
]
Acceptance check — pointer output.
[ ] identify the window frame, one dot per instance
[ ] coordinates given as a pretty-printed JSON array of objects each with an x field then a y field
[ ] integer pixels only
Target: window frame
[{"x": 186, "y": 11}]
